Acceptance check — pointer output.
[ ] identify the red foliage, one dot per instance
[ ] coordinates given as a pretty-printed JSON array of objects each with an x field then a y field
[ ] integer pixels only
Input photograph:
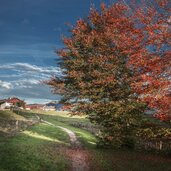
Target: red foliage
[
  {"x": 141, "y": 33},
  {"x": 145, "y": 38},
  {"x": 151, "y": 59}
]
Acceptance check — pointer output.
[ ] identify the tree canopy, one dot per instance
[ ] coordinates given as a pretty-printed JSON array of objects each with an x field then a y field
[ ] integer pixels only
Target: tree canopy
[{"x": 116, "y": 62}]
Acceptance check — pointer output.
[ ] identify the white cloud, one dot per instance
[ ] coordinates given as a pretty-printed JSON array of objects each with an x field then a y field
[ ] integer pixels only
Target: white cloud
[
  {"x": 25, "y": 83},
  {"x": 33, "y": 92},
  {"x": 42, "y": 50},
  {"x": 21, "y": 83},
  {"x": 5, "y": 85},
  {"x": 25, "y": 75},
  {"x": 25, "y": 80},
  {"x": 26, "y": 67},
  {"x": 9, "y": 76}
]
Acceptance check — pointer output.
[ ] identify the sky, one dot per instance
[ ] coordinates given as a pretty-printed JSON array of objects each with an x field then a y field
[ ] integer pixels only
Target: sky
[{"x": 30, "y": 32}]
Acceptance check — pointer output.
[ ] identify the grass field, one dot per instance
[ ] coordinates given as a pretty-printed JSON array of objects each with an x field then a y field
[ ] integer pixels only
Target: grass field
[
  {"x": 111, "y": 160},
  {"x": 8, "y": 115},
  {"x": 43, "y": 148}
]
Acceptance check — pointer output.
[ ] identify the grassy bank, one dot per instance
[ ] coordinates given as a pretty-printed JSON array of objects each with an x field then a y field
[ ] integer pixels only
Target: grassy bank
[
  {"x": 9, "y": 115},
  {"x": 43, "y": 147},
  {"x": 109, "y": 160},
  {"x": 40, "y": 147}
]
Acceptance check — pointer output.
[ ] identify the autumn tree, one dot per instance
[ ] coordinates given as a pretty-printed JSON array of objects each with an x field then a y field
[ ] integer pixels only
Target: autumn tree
[
  {"x": 148, "y": 46},
  {"x": 115, "y": 63},
  {"x": 96, "y": 76}
]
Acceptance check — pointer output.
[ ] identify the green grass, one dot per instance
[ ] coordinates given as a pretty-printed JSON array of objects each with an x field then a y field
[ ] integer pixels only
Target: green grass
[
  {"x": 108, "y": 159},
  {"x": 9, "y": 115},
  {"x": 61, "y": 116},
  {"x": 72, "y": 123},
  {"x": 86, "y": 138},
  {"x": 41, "y": 147}
]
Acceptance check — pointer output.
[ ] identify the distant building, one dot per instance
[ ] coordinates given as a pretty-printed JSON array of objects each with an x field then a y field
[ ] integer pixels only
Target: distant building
[
  {"x": 16, "y": 102},
  {"x": 35, "y": 107},
  {"x": 28, "y": 107},
  {"x": 49, "y": 108},
  {"x": 40, "y": 107},
  {"x": 5, "y": 105},
  {"x": 12, "y": 102}
]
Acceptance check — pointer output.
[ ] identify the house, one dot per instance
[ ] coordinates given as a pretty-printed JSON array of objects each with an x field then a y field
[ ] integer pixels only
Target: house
[
  {"x": 49, "y": 108},
  {"x": 28, "y": 107},
  {"x": 5, "y": 105},
  {"x": 34, "y": 107},
  {"x": 16, "y": 102},
  {"x": 12, "y": 102}
]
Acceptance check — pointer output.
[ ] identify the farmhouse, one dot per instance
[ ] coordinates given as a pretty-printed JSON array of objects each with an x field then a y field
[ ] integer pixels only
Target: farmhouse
[
  {"x": 12, "y": 102},
  {"x": 5, "y": 105}
]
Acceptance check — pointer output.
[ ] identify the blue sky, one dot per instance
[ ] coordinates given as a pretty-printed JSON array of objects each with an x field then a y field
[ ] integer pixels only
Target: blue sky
[{"x": 30, "y": 31}]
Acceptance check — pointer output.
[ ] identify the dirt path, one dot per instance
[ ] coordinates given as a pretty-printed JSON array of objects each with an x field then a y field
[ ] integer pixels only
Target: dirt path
[{"x": 78, "y": 155}]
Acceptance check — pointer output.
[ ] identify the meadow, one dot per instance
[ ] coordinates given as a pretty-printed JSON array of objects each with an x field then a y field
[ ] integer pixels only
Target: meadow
[{"x": 44, "y": 147}]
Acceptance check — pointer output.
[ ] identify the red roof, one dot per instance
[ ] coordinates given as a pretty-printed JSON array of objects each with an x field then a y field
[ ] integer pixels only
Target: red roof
[
  {"x": 13, "y": 100},
  {"x": 35, "y": 106}
]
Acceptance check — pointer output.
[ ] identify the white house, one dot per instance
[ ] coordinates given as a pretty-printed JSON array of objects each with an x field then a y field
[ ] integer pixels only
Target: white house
[
  {"x": 5, "y": 105},
  {"x": 49, "y": 108}
]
